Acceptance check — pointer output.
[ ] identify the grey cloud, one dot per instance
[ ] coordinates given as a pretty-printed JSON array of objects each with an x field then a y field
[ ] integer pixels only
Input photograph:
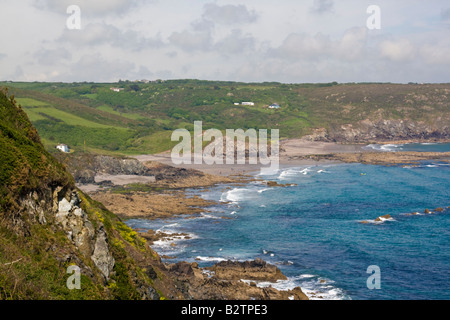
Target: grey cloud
[
  {"x": 172, "y": 54},
  {"x": 228, "y": 14},
  {"x": 200, "y": 35},
  {"x": 49, "y": 57},
  {"x": 202, "y": 25},
  {"x": 445, "y": 15},
  {"x": 322, "y": 6},
  {"x": 302, "y": 46},
  {"x": 18, "y": 73},
  {"x": 192, "y": 41},
  {"x": 235, "y": 43},
  {"x": 2, "y": 55},
  {"x": 350, "y": 47},
  {"x": 143, "y": 73},
  {"x": 101, "y": 33},
  {"x": 95, "y": 67}
]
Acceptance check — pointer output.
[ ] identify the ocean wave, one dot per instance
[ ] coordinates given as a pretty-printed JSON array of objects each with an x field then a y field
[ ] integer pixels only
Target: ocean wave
[
  {"x": 239, "y": 194},
  {"x": 292, "y": 172},
  {"x": 379, "y": 220},
  {"x": 384, "y": 147},
  {"x": 167, "y": 228},
  {"x": 210, "y": 259},
  {"x": 316, "y": 288},
  {"x": 173, "y": 243},
  {"x": 208, "y": 216},
  {"x": 234, "y": 195}
]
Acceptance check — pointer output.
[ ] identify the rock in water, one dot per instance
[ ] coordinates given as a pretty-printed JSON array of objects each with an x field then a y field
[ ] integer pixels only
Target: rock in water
[
  {"x": 385, "y": 217},
  {"x": 249, "y": 270}
]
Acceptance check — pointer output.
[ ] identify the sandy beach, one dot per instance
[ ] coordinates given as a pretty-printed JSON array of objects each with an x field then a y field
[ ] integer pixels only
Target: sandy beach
[{"x": 293, "y": 152}]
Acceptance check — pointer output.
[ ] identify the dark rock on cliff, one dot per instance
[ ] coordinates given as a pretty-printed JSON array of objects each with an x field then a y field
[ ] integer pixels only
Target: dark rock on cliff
[
  {"x": 85, "y": 166},
  {"x": 383, "y": 130}
]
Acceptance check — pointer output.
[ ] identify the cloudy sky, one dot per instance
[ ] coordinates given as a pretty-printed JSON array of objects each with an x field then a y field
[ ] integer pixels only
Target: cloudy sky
[{"x": 290, "y": 41}]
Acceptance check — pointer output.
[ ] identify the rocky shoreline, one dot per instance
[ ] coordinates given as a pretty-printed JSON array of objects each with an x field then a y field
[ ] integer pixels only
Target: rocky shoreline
[
  {"x": 380, "y": 158},
  {"x": 165, "y": 196},
  {"x": 232, "y": 280}
]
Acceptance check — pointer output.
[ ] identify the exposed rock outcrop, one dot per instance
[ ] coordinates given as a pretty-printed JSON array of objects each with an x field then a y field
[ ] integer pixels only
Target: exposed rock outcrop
[
  {"x": 84, "y": 167},
  {"x": 223, "y": 281},
  {"x": 383, "y": 130},
  {"x": 250, "y": 270},
  {"x": 102, "y": 256}
]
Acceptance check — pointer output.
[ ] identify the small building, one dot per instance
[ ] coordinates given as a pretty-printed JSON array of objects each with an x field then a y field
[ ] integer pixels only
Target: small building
[
  {"x": 63, "y": 148},
  {"x": 274, "y": 106},
  {"x": 236, "y": 103},
  {"x": 116, "y": 89},
  {"x": 248, "y": 103}
]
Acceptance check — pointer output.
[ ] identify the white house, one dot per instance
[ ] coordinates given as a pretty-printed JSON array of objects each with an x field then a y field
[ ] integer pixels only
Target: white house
[
  {"x": 63, "y": 148},
  {"x": 116, "y": 89},
  {"x": 248, "y": 103},
  {"x": 274, "y": 106}
]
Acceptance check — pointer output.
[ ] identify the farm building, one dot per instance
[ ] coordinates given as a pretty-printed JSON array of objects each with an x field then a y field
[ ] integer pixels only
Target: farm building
[
  {"x": 63, "y": 148},
  {"x": 274, "y": 106}
]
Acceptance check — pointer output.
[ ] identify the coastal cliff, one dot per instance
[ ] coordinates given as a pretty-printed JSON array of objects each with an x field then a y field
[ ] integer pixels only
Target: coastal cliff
[
  {"x": 369, "y": 131},
  {"x": 48, "y": 226}
]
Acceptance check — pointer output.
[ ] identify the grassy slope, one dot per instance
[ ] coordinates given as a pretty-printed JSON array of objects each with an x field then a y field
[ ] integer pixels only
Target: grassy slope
[
  {"x": 34, "y": 255},
  {"x": 141, "y": 118}
]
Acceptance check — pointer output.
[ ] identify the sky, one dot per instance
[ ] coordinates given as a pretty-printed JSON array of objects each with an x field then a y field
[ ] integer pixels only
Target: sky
[{"x": 289, "y": 41}]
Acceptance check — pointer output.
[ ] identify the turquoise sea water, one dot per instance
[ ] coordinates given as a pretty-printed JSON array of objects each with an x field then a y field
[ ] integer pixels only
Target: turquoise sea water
[{"x": 313, "y": 231}]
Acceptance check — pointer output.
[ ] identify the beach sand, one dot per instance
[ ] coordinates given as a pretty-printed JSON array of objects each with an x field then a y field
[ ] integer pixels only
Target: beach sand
[{"x": 293, "y": 152}]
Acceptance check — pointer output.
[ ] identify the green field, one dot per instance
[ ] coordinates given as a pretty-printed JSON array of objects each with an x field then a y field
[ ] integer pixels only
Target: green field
[{"x": 140, "y": 118}]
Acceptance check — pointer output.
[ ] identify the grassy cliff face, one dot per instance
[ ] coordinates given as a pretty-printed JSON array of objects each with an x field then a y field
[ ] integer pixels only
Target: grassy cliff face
[
  {"x": 47, "y": 225},
  {"x": 25, "y": 165}
]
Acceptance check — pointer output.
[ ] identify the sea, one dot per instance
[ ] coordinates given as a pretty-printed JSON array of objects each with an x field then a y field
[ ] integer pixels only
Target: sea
[{"x": 313, "y": 228}]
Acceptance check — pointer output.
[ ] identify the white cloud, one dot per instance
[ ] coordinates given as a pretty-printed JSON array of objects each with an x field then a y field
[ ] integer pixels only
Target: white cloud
[
  {"x": 322, "y": 6},
  {"x": 192, "y": 40},
  {"x": 51, "y": 57},
  {"x": 236, "y": 43},
  {"x": 228, "y": 14},
  {"x": 351, "y": 46},
  {"x": 94, "y": 66},
  {"x": 401, "y": 50},
  {"x": 437, "y": 54},
  {"x": 96, "y": 34}
]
